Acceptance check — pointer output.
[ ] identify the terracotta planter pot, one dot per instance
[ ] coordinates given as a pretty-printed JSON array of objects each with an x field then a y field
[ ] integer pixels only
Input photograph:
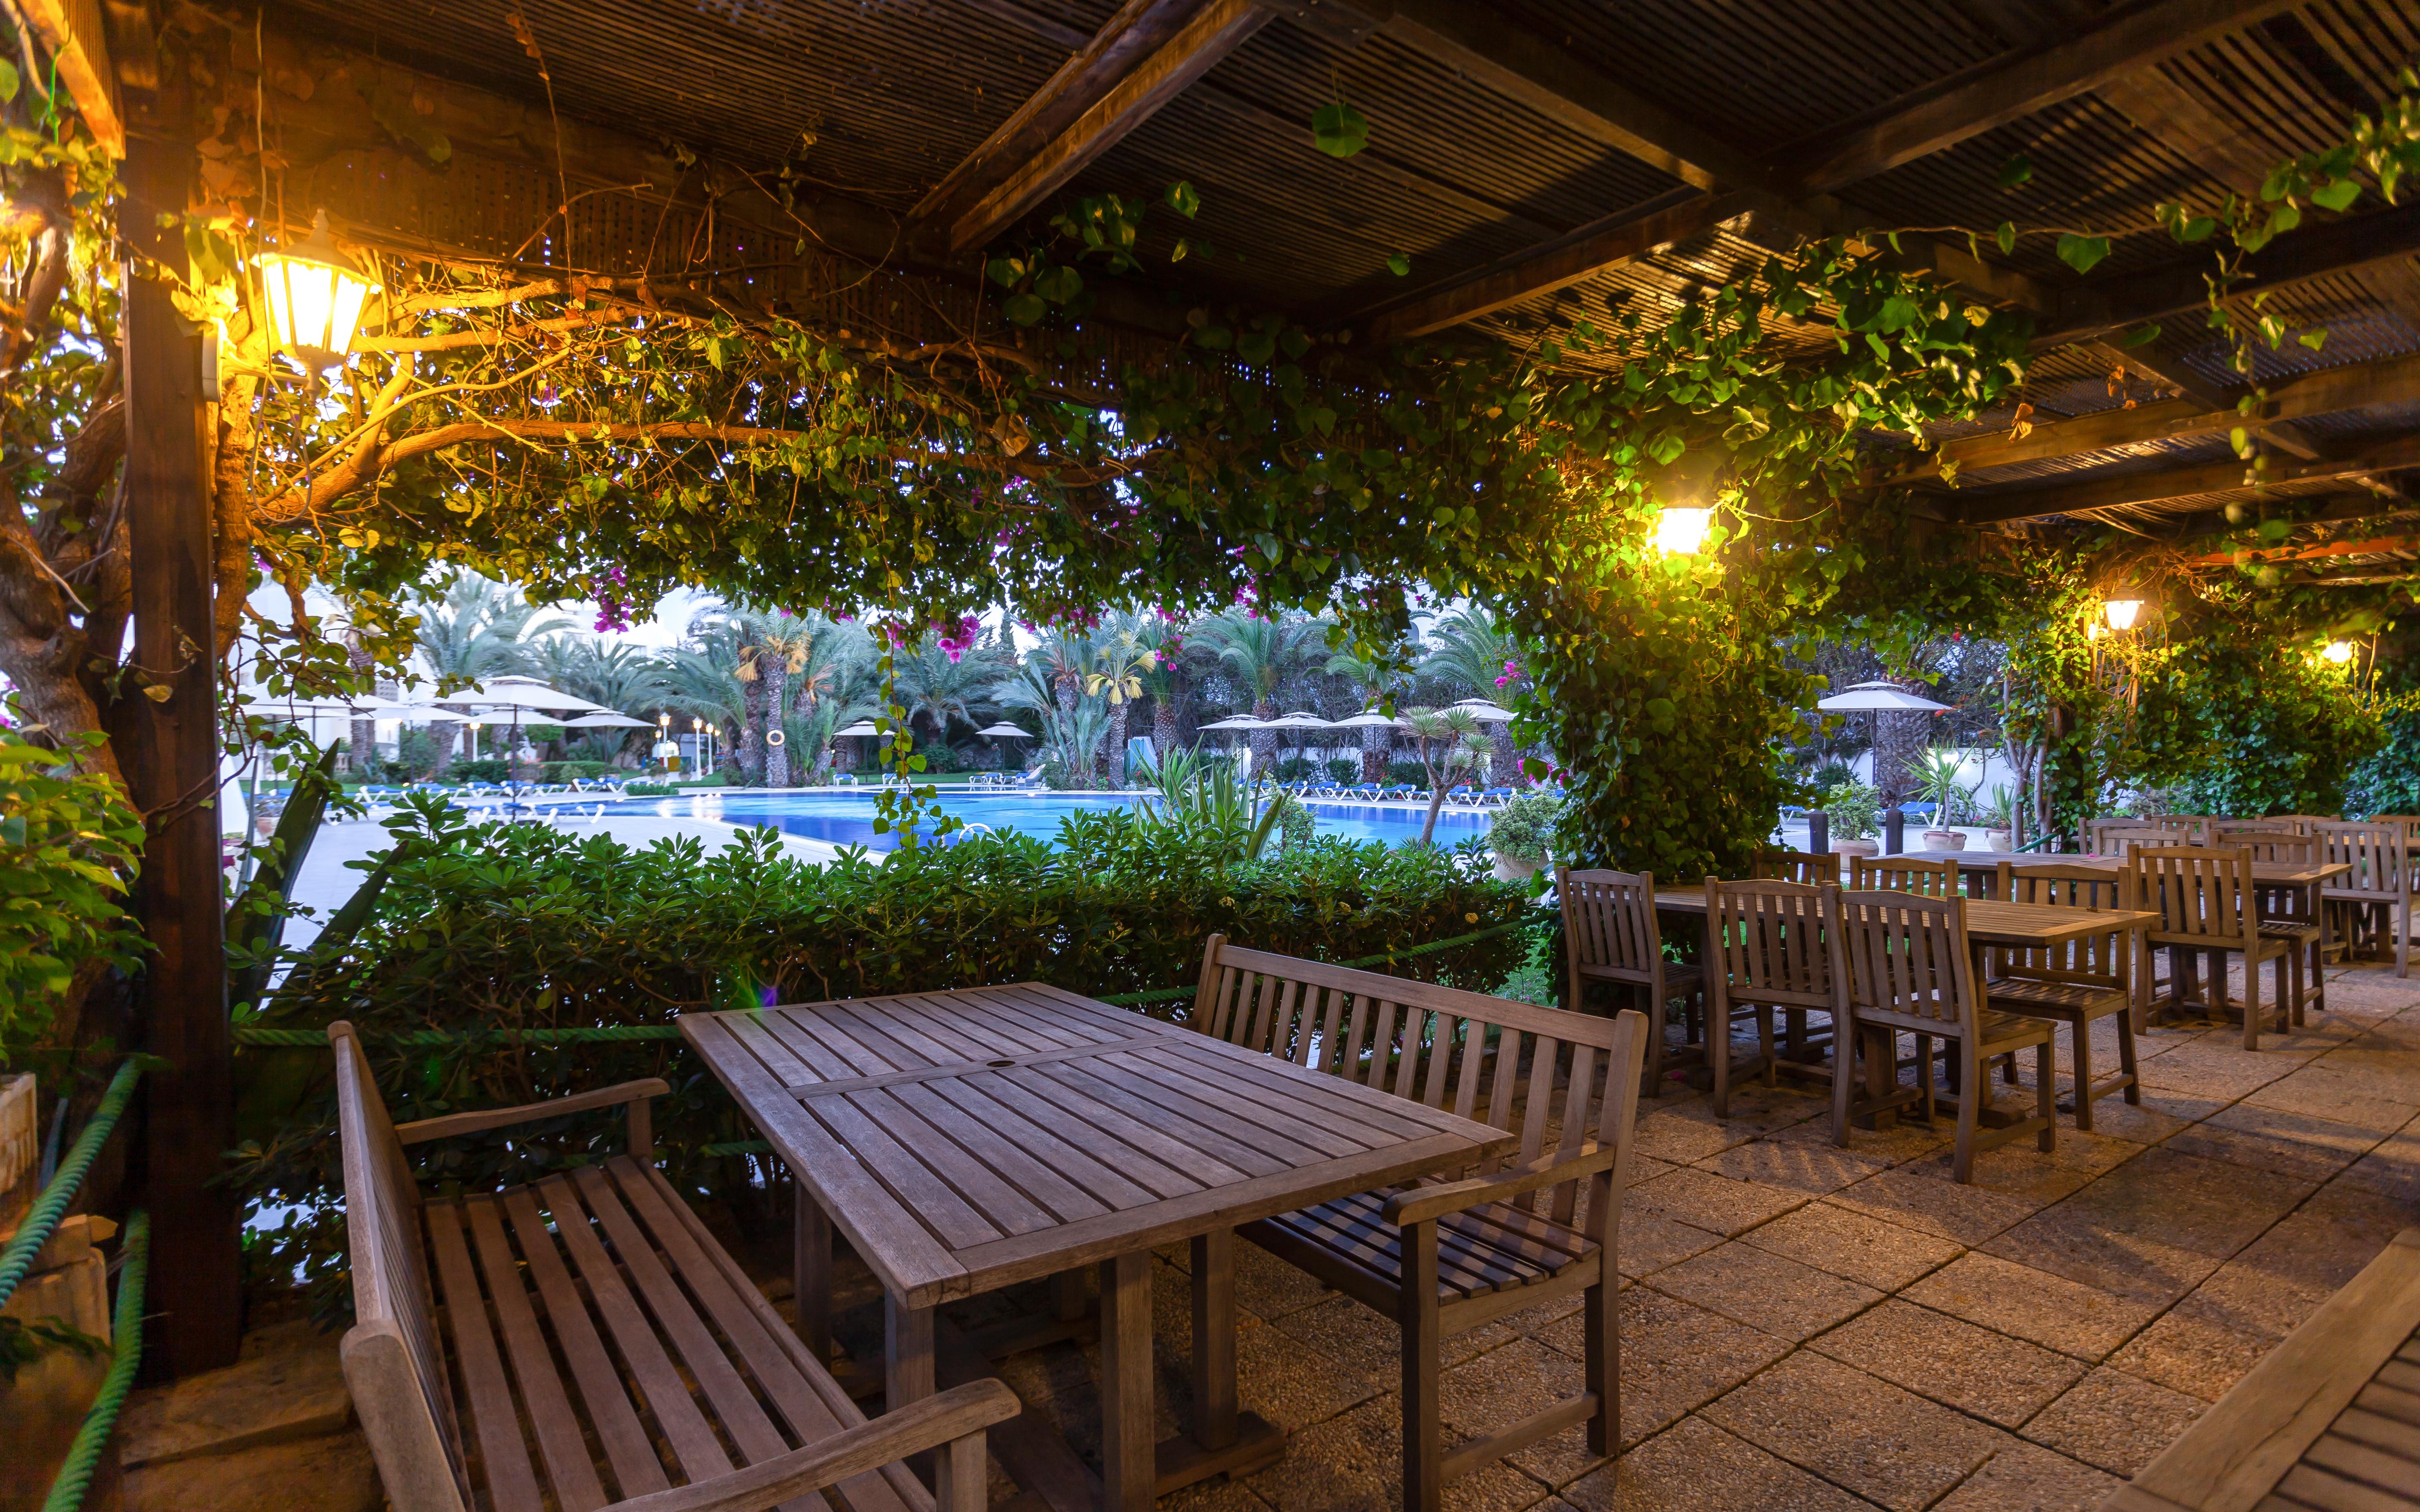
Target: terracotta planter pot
[
  {"x": 1858, "y": 847},
  {"x": 1944, "y": 840},
  {"x": 1516, "y": 869}
]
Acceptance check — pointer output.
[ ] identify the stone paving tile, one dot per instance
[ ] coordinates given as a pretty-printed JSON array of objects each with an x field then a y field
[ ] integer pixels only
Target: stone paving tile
[
  {"x": 1676, "y": 1357},
  {"x": 1796, "y": 1166},
  {"x": 1903, "y": 1142},
  {"x": 2155, "y": 1227},
  {"x": 1271, "y": 1288},
  {"x": 2271, "y": 1139},
  {"x": 1996, "y": 1378},
  {"x": 2322, "y": 1091},
  {"x": 1715, "y": 1203},
  {"x": 2188, "y": 1351},
  {"x": 1650, "y": 1242},
  {"x": 2392, "y": 1169},
  {"x": 2156, "y": 1117},
  {"x": 2008, "y": 1188},
  {"x": 2327, "y": 1241},
  {"x": 2029, "y": 1478},
  {"x": 1765, "y": 1291},
  {"x": 1888, "y": 1445},
  {"x": 2203, "y": 1071},
  {"x": 1696, "y": 1466},
  {"x": 1355, "y": 1462},
  {"x": 1686, "y": 1130},
  {"x": 2033, "y": 1305},
  {"x": 2389, "y": 1073},
  {"x": 2115, "y": 1421},
  {"x": 1856, "y": 1245}
]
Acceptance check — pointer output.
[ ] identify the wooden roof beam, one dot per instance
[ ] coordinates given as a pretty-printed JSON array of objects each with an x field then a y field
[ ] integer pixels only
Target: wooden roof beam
[
  {"x": 1548, "y": 79},
  {"x": 79, "y": 46},
  {"x": 2374, "y": 546},
  {"x": 2146, "y": 489},
  {"x": 1146, "y": 56},
  {"x": 2389, "y": 380}
]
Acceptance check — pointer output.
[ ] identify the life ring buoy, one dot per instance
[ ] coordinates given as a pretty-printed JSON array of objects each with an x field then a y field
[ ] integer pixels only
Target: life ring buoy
[{"x": 775, "y": 738}]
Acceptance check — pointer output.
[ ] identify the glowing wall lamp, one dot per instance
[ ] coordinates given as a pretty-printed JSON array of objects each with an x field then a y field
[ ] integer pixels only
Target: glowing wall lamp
[
  {"x": 1685, "y": 488},
  {"x": 1683, "y": 529},
  {"x": 314, "y": 295},
  {"x": 2121, "y": 614},
  {"x": 2337, "y": 652}
]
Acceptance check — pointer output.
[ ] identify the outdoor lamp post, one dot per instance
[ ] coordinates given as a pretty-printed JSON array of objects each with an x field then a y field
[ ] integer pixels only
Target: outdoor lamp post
[
  {"x": 314, "y": 295},
  {"x": 664, "y": 742}
]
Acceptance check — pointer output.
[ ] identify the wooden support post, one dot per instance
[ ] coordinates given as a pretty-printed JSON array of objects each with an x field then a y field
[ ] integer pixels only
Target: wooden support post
[
  {"x": 1214, "y": 1338},
  {"x": 175, "y": 776}
]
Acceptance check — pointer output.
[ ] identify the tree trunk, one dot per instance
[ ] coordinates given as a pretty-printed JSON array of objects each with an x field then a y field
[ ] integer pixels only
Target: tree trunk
[
  {"x": 775, "y": 674},
  {"x": 1504, "y": 765},
  {"x": 1163, "y": 722},
  {"x": 1897, "y": 737},
  {"x": 752, "y": 732},
  {"x": 1265, "y": 742},
  {"x": 1436, "y": 801},
  {"x": 1373, "y": 753}
]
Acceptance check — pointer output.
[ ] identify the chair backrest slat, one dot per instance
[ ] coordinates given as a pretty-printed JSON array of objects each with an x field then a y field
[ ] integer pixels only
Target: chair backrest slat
[
  {"x": 1609, "y": 921},
  {"x": 2201, "y": 893},
  {"x": 1806, "y": 867},
  {"x": 1424, "y": 1042},
  {"x": 2375, "y": 849},
  {"x": 1770, "y": 941},
  {"x": 2091, "y": 959},
  {"x": 1904, "y": 874},
  {"x": 408, "y": 1421}
]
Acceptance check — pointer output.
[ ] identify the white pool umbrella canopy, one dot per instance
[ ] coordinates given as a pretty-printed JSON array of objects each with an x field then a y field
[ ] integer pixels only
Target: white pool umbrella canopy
[
  {"x": 1484, "y": 712},
  {"x": 862, "y": 727},
  {"x": 417, "y": 714},
  {"x": 1369, "y": 719},
  {"x": 1004, "y": 731},
  {"x": 608, "y": 720},
  {"x": 1862, "y": 696},
  {"x": 518, "y": 692},
  {"x": 1240, "y": 721},
  {"x": 1299, "y": 719}
]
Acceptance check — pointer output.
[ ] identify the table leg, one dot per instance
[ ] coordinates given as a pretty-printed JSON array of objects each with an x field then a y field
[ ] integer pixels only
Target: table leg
[
  {"x": 1129, "y": 1455},
  {"x": 908, "y": 1364},
  {"x": 810, "y": 1271},
  {"x": 1214, "y": 1338}
]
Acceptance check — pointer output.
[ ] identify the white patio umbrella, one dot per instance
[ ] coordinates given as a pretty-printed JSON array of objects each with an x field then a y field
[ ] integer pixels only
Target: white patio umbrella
[
  {"x": 862, "y": 727},
  {"x": 417, "y": 714},
  {"x": 1369, "y": 719},
  {"x": 1485, "y": 712},
  {"x": 519, "y": 692},
  {"x": 607, "y": 720},
  {"x": 1877, "y": 697},
  {"x": 1236, "y": 721},
  {"x": 1004, "y": 731}
]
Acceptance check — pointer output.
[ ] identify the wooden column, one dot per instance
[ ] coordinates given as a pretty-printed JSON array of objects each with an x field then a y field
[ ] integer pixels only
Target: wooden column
[{"x": 196, "y": 1295}]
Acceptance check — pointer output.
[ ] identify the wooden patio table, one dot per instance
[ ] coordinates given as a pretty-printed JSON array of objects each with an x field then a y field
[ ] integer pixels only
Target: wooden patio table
[
  {"x": 968, "y": 1140},
  {"x": 1988, "y": 922}
]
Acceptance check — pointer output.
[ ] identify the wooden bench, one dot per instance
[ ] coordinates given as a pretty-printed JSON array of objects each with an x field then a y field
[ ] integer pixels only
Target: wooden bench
[
  {"x": 2329, "y": 1419},
  {"x": 598, "y": 1347},
  {"x": 1449, "y": 1255}
]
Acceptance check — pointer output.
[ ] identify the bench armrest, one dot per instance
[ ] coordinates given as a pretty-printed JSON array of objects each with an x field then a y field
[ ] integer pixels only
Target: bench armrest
[
  {"x": 1422, "y": 1203},
  {"x": 462, "y": 1123},
  {"x": 958, "y": 1414}
]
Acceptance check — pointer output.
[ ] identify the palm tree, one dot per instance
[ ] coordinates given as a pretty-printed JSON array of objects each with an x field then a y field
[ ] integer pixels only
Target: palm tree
[
  {"x": 1259, "y": 653},
  {"x": 703, "y": 680},
  {"x": 1472, "y": 651},
  {"x": 935, "y": 688},
  {"x": 1119, "y": 666},
  {"x": 625, "y": 677},
  {"x": 1449, "y": 741},
  {"x": 777, "y": 643},
  {"x": 472, "y": 628},
  {"x": 1166, "y": 681},
  {"x": 1375, "y": 680}
]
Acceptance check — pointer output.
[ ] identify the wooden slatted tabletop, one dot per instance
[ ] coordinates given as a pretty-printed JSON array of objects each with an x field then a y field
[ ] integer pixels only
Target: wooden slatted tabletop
[
  {"x": 968, "y": 1140},
  {"x": 2269, "y": 873}
]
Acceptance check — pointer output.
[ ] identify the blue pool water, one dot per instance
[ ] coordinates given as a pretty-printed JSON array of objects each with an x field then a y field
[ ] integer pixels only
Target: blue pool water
[{"x": 847, "y": 818}]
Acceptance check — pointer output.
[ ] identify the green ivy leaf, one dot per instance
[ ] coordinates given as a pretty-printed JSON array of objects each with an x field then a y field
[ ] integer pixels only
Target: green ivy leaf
[
  {"x": 1176, "y": 254},
  {"x": 1183, "y": 199},
  {"x": 1059, "y": 285},
  {"x": 2197, "y": 229},
  {"x": 2008, "y": 237},
  {"x": 2313, "y": 339},
  {"x": 2018, "y": 169},
  {"x": 1400, "y": 264},
  {"x": 2143, "y": 337},
  {"x": 1338, "y": 130},
  {"x": 2337, "y": 196},
  {"x": 2082, "y": 252},
  {"x": 1025, "y": 308},
  {"x": 1005, "y": 271}
]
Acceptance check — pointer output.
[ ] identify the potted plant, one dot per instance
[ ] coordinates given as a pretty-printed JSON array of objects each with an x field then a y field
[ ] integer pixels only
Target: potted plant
[
  {"x": 1936, "y": 782},
  {"x": 1855, "y": 813},
  {"x": 1521, "y": 833},
  {"x": 2000, "y": 819}
]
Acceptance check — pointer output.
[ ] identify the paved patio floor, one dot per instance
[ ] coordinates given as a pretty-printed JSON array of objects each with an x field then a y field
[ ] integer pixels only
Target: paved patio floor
[{"x": 1810, "y": 1329}]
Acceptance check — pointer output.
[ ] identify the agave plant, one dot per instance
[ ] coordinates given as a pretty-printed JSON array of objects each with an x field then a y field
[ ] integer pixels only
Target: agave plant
[{"x": 1203, "y": 803}]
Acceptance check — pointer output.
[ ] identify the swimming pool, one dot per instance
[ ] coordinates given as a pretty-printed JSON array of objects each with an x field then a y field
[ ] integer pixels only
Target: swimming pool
[{"x": 847, "y": 818}]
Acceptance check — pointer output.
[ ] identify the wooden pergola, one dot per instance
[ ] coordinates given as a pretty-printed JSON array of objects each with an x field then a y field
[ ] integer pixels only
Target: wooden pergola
[{"x": 1539, "y": 161}]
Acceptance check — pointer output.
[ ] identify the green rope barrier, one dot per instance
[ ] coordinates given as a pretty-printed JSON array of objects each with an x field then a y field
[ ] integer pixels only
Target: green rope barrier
[
  {"x": 126, "y": 1357},
  {"x": 593, "y": 1034},
  {"x": 51, "y": 1205}
]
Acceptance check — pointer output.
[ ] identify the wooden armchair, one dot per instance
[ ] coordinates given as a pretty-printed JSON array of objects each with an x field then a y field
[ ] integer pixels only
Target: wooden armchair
[
  {"x": 1446, "y": 1257},
  {"x": 1909, "y": 973},
  {"x": 1808, "y": 869},
  {"x": 1768, "y": 946},
  {"x": 2374, "y": 900},
  {"x": 675, "y": 1362},
  {"x": 1611, "y": 934},
  {"x": 2209, "y": 907},
  {"x": 2076, "y": 983}
]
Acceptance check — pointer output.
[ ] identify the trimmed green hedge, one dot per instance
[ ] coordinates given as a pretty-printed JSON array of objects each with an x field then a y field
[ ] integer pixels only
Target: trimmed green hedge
[{"x": 497, "y": 929}]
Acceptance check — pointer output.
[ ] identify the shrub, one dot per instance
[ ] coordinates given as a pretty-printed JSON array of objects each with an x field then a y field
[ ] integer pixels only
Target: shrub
[
  {"x": 650, "y": 790},
  {"x": 941, "y": 758},
  {"x": 1523, "y": 828},
  {"x": 1854, "y": 810},
  {"x": 570, "y": 771},
  {"x": 462, "y": 771},
  {"x": 499, "y": 929},
  {"x": 1293, "y": 769},
  {"x": 1342, "y": 771},
  {"x": 68, "y": 844},
  {"x": 1408, "y": 774}
]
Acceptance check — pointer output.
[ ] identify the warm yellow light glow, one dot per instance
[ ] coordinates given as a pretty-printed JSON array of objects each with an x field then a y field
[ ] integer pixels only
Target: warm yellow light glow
[
  {"x": 2121, "y": 612},
  {"x": 315, "y": 293},
  {"x": 2338, "y": 652},
  {"x": 1682, "y": 530}
]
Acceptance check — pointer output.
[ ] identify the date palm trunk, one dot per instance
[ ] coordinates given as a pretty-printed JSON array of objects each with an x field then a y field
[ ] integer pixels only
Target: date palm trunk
[
  {"x": 1265, "y": 742},
  {"x": 1373, "y": 753},
  {"x": 776, "y": 678}
]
